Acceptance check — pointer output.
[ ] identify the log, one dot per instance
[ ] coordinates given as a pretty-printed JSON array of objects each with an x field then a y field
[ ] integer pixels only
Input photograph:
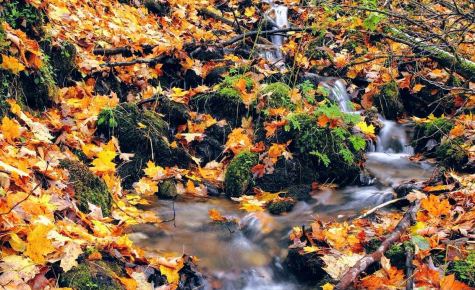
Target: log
[
  {"x": 462, "y": 66},
  {"x": 369, "y": 259},
  {"x": 265, "y": 33}
]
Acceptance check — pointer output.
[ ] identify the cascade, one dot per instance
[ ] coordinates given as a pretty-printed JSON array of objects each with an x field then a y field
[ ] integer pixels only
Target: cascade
[
  {"x": 393, "y": 138},
  {"x": 277, "y": 15}
]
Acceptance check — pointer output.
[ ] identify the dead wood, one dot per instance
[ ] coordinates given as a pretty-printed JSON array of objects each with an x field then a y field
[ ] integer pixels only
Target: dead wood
[{"x": 369, "y": 259}]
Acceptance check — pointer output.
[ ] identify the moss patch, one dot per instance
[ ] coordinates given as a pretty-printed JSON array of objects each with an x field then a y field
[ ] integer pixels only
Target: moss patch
[
  {"x": 148, "y": 143},
  {"x": 397, "y": 255},
  {"x": 328, "y": 151},
  {"x": 89, "y": 187},
  {"x": 452, "y": 154},
  {"x": 94, "y": 275},
  {"x": 388, "y": 101},
  {"x": 464, "y": 270},
  {"x": 279, "y": 207},
  {"x": 423, "y": 132},
  {"x": 167, "y": 189},
  {"x": 238, "y": 173},
  {"x": 279, "y": 95}
]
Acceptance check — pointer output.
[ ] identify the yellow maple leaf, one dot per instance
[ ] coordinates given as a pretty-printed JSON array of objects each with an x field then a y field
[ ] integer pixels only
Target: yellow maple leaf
[
  {"x": 171, "y": 274},
  {"x": 153, "y": 170},
  {"x": 365, "y": 128},
  {"x": 250, "y": 11},
  {"x": 11, "y": 63},
  {"x": 39, "y": 245},
  {"x": 103, "y": 162}
]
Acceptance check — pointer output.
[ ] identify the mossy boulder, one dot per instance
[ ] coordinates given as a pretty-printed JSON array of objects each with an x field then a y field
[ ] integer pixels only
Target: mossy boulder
[
  {"x": 238, "y": 173},
  {"x": 226, "y": 103},
  {"x": 424, "y": 132},
  {"x": 372, "y": 245},
  {"x": 328, "y": 152},
  {"x": 286, "y": 174},
  {"x": 397, "y": 255},
  {"x": 279, "y": 95},
  {"x": 39, "y": 89},
  {"x": 167, "y": 189},
  {"x": 306, "y": 266},
  {"x": 97, "y": 275},
  {"x": 280, "y": 206},
  {"x": 157, "y": 7},
  {"x": 63, "y": 61},
  {"x": 89, "y": 188},
  {"x": 464, "y": 270},
  {"x": 147, "y": 142},
  {"x": 175, "y": 113},
  {"x": 452, "y": 153},
  {"x": 388, "y": 101}
]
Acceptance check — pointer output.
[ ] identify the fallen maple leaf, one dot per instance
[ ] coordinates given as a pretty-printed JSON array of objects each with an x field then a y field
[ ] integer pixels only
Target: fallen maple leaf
[
  {"x": 39, "y": 245},
  {"x": 11, "y": 63},
  {"x": 215, "y": 215},
  {"x": 435, "y": 207}
]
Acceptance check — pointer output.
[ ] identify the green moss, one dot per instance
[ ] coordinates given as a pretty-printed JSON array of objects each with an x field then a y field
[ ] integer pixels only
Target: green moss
[
  {"x": 230, "y": 95},
  {"x": 167, "y": 189},
  {"x": 423, "y": 132},
  {"x": 388, "y": 101},
  {"x": 147, "y": 142},
  {"x": 279, "y": 95},
  {"x": 452, "y": 154},
  {"x": 372, "y": 245},
  {"x": 328, "y": 151},
  {"x": 397, "y": 255},
  {"x": 279, "y": 207},
  {"x": 88, "y": 187},
  {"x": 97, "y": 275},
  {"x": 238, "y": 173},
  {"x": 25, "y": 17},
  {"x": 63, "y": 61},
  {"x": 230, "y": 80},
  {"x": 464, "y": 270}
]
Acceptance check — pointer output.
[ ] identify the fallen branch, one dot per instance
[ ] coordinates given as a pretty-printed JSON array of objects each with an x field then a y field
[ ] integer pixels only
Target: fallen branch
[
  {"x": 121, "y": 50},
  {"x": 369, "y": 259},
  {"x": 379, "y": 207},
  {"x": 264, "y": 33},
  {"x": 409, "y": 268},
  {"x": 134, "y": 61}
]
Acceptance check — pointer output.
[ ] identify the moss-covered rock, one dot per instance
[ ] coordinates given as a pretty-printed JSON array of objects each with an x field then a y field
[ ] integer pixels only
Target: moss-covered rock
[
  {"x": 464, "y": 270},
  {"x": 306, "y": 266},
  {"x": 94, "y": 275},
  {"x": 148, "y": 142},
  {"x": 238, "y": 173},
  {"x": 175, "y": 113},
  {"x": 39, "y": 88},
  {"x": 388, "y": 101},
  {"x": 88, "y": 187},
  {"x": 24, "y": 16},
  {"x": 286, "y": 174},
  {"x": 158, "y": 7},
  {"x": 328, "y": 152},
  {"x": 452, "y": 153},
  {"x": 167, "y": 189},
  {"x": 280, "y": 206},
  {"x": 279, "y": 95},
  {"x": 226, "y": 104},
  {"x": 397, "y": 255},
  {"x": 63, "y": 61},
  {"x": 372, "y": 245},
  {"x": 435, "y": 130}
]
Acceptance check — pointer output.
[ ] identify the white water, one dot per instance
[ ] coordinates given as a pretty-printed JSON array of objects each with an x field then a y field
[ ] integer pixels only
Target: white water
[
  {"x": 277, "y": 15},
  {"x": 337, "y": 92},
  {"x": 393, "y": 138}
]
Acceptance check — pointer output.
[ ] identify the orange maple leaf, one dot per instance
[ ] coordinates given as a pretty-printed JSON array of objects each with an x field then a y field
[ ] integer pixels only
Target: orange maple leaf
[
  {"x": 10, "y": 129},
  {"x": 258, "y": 171},
  {"x": 435, "y": 207},
  {"x": 215, "y": 215}
]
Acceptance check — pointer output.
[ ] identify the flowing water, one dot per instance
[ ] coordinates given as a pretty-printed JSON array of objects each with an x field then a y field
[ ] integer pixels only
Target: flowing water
[{"x": 251, "y": 254}]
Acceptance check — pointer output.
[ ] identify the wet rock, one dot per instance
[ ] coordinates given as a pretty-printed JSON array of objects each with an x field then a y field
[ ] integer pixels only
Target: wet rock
[
  {"x": 286, "y": 173},
  {"x": 207, "y": 53},
  {"x": 220, "y": 133},
  {"x": 298, "y": 192},
  {"x": 238, "y": 173},
  {"x": 190, "y": 277},
  {"x": 207, "y": 150},
  {"x": 158, "y": 7},
  {"x": 89, "y": 188},
  {"x": 306, "y": 266},
  {"x": 174, "y": 113},
  {"x": 215, "y": 75},
  {"x": 281, "y": 206},
  {"x": 167, "y": 189},
  {"x": 403, "y": 189}
]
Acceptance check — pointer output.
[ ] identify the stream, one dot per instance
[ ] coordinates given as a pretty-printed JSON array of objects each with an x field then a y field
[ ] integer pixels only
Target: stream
[{"x": 251, "y": 254}]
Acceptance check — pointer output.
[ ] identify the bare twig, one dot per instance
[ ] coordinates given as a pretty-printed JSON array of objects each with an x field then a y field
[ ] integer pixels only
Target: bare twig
[{"x": 374, "y": 209}]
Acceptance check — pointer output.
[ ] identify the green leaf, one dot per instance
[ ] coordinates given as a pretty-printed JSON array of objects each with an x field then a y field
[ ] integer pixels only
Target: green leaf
[
  {"x": 100, "y": 121},
  {"x": 421, "y": 242},
  {"x": 323, "y": 157},
  {"x": 357, "y": 142}
]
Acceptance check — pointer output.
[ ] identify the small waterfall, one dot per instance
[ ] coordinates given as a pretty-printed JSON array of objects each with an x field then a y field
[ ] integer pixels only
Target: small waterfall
[
  {"x": 277, "y": 15},
  {"x": 393, "y": 138},
  {"x": 337, "y": 91}
]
